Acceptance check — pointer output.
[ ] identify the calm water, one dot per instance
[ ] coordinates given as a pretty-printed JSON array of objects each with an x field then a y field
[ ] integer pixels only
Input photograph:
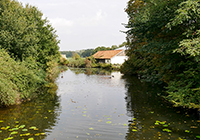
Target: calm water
[{"x": 98, "y": 106}]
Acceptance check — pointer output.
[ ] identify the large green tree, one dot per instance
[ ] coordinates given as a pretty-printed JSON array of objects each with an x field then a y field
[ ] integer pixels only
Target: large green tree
[
  {"x": 24, "y": 33},
  {"x": 28, "y": 52},
  {"x": 163, "y": 46}
]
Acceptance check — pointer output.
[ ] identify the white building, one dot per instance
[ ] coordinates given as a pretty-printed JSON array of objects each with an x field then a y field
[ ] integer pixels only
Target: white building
[{"x": 111, "y": 56}]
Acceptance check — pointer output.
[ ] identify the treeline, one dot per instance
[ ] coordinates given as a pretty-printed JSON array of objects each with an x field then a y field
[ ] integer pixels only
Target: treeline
[
  {"x": 163, "y": 47},
  {"x": 89, "y": 52},
  {"x": 29, "y": 53}
]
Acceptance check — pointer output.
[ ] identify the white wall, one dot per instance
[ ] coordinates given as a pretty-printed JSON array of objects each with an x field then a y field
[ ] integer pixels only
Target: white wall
[{"x": 118, "y": 59}]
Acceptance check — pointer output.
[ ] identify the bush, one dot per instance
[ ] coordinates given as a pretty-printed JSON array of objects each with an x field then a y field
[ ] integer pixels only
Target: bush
[
  {"x": 18, "y": 80},
  {"x": 31, "y": 41},
  {"x": 79, "y": 63},
  {"x": 63, "y": 61}
]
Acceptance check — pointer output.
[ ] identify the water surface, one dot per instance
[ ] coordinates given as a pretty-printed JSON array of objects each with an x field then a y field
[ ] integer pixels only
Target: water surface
[{"x": 96, "y": 105}]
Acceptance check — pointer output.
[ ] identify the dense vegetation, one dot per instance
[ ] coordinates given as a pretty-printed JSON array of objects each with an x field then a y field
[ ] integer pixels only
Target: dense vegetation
[
  {"x": 89, "y": 52},
  {"x": 89, "y": 62},
  {"x": 28, "y": 53},
  {"x": 163, "y": 47}
]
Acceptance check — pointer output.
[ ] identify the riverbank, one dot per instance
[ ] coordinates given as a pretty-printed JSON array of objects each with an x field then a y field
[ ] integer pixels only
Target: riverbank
[{"x": 23, "y": 81}]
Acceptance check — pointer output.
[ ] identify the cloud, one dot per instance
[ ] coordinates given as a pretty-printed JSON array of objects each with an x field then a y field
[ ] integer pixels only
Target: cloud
[
  {"x": 85, "y": 24},
  {"x": 61, "y": 22},
  {"x": 96, "y": 19}
]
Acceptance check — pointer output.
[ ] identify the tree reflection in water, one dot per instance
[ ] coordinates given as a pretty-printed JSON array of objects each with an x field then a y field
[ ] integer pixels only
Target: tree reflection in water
[
  {"x": 42, "y": 114},
  {"x": 146, "y": 107}
]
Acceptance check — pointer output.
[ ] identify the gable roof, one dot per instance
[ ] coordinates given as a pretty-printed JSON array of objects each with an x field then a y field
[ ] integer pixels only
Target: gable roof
[{"x": 106, "y": 54}]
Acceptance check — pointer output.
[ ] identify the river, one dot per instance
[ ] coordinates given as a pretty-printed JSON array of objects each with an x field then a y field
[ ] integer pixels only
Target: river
[{"x": 96, "y": 105}]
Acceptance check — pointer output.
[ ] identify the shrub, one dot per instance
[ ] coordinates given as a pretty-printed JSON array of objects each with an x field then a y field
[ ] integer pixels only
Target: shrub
[{"x": 18, "y": 80}]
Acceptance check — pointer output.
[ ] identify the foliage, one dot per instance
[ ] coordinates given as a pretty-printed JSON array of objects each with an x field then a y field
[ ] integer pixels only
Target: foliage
[
  {"x": 18, "y": 80},
  {"x": 76, "y": 56},
  {"x": 68, "y": 54},
  {"x": 63, "y": 61},
  {"x": 163, "y": 43},
  {"x": 90, "y": 62},
  {"x": 89, "y": 52},
  {"x": 24, "y": 33},
  {"x": 113, "y": 47},
  {"x": 76, "y": 62},
  {"x": 28, "y": 46}
]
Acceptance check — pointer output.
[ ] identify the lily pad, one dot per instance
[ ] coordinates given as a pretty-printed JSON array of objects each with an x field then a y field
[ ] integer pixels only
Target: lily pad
[
  {"x": 91, "y": 128},
  {"x": 167, "y": 130},
  {"x": 198, "y": 137},
  {"x": 33, "y": 127},
  {"x": 13, "y": 133},
  {"x": 9, "y": 138},
  {"x": 1, "y": 121},
  {"x": 162, "y": 122},
  {"x": 22, "y": 126},
  {"x": 109, "y": 122},
  {"x": 37, "y": 134},
  {"x": 5, "y": 128},
  {"x": 134, "y": 130},
  {"x": 24, "y": 130},
  {"x": 27, "y": 134},
  {"x": 31, "y": 139},
  {"x": 187, "y": 131}
]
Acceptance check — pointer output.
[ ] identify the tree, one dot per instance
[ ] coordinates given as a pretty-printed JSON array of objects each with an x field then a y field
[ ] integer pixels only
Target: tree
[
  {"x": 24, "y": 33},
  {"x": 163, "y": 46},
  {"x": 28, "y": 51},
  {"x": 76, "y": 56},
  {"x": 87, "y": 53}
]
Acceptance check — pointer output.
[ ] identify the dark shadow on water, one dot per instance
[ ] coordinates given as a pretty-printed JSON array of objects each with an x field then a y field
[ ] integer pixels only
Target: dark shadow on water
[
  {"x": 153, "y": 117},
  {"x": 34, "y": 119}
]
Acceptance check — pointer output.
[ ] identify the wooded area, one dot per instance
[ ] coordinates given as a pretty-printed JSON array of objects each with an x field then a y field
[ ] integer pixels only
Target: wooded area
[
  {"x": 89, "y": 52},
  {"x": 28, "y": 53},
  {"x": 163, "y": 47}
]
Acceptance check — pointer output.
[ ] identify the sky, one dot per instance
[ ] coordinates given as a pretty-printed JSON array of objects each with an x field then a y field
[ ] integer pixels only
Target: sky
[{"x": 85, "y": 24}]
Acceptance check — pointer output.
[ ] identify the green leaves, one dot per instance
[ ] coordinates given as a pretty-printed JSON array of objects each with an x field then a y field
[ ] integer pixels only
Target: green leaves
[
  {"x": 31, "y": 44},
  {"x": 163, "y": 40}
]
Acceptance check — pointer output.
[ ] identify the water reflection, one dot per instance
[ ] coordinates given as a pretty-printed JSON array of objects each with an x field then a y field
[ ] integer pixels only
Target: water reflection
[
  {"x": 153, "y": 118},
  {"x": 99, "y": 105},
  {"x": 91, "y": 71},
  {"x": 41, "y": 114},
  {"x": 93, "y": 106}
]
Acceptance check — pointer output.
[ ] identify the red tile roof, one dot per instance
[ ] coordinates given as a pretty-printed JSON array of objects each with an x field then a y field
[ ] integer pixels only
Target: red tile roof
[{"x": 106, "y": 54}]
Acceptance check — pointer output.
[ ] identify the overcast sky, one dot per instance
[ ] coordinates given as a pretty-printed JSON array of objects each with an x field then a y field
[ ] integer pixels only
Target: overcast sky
[{"x": 85, "y": 24}]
